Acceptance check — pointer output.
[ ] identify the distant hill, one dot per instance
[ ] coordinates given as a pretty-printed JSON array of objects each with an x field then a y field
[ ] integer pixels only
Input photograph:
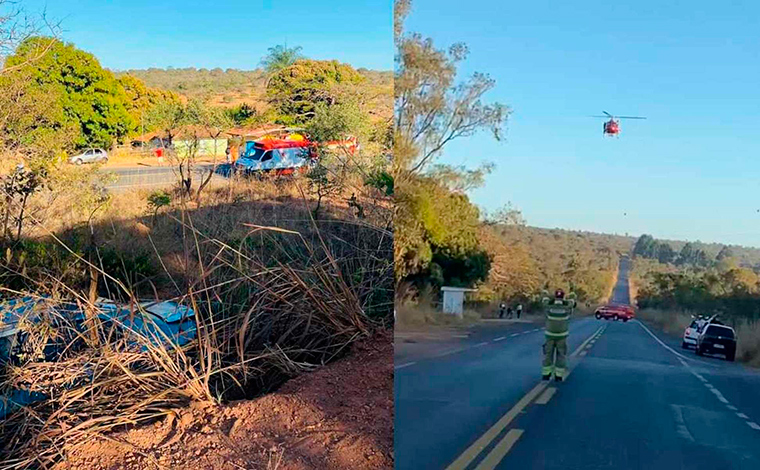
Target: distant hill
[
  {"x": 233, "y": 87},
  {"x": 747, "y": 256},
  {"x": 527, "y": 259}
]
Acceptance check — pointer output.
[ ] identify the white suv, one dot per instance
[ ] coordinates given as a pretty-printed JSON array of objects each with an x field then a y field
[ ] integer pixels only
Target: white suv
[{"x": 691, "y": 333}]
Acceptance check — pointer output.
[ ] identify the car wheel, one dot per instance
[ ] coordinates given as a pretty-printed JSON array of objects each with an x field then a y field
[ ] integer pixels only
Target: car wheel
[
  {"x": 625, "y": 319},
  {"x": 698, "y": 351},
  {"x": 731, "y": 356},
  {"x": 104, "y": 160},
  {"x": 615, "y": 318},
  {"x": 598, "y": 316},
  {"x": 684, "y": 345},
  {"x": 78, "y": 161}
]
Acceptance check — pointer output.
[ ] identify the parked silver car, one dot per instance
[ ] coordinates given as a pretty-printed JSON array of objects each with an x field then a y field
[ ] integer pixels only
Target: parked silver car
[{"x": 90, "y": 156}]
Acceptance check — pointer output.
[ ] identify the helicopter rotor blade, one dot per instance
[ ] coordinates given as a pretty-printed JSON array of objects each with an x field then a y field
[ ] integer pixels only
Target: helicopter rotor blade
[{"x": 608, "y": 114}]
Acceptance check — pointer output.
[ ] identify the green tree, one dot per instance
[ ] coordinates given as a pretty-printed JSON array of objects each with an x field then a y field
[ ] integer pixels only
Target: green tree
[
  {"x": 296, "y": 90},
  {"x": 431, "y": 108},
  {"x": 645, "y": 246},
  {"x": 89, "y": 96},
  {"x": 436, "y": 226},
  {"x": 280, "y": 57},
  {"x": 32, "y": 121},
  {"x": 139, "y": 99},
  {"x": 665, "y": 253},
  {"x": 437, "y": 231}
]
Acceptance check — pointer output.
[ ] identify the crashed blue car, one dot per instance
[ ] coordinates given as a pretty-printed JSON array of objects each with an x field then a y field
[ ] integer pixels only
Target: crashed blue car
[{"x": 166, "y": 323}]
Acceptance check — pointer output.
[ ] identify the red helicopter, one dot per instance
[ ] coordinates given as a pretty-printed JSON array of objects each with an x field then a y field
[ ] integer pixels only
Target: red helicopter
[{"x": 612, "y": 127}]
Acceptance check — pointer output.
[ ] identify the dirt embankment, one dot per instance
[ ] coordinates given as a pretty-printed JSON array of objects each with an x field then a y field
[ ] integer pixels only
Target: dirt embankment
[{"x": 339, "y": 417}]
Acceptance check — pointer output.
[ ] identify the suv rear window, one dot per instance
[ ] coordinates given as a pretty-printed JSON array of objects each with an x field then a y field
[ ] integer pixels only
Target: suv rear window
[{"x": 715, "y": 330}]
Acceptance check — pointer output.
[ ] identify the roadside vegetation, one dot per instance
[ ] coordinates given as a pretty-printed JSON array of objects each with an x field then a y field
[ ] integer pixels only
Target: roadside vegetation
[
  {"x": 283, "y": 275},
  {"x": 671, "y": 286},
  {"x": 442, "y": 238}
]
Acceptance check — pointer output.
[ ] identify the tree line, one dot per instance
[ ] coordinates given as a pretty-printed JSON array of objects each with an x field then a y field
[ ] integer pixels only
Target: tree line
[
  {"x": 58, "y": 98},
  {"x": 694, "y": 253},
  {"x": 693, "y": 281}
]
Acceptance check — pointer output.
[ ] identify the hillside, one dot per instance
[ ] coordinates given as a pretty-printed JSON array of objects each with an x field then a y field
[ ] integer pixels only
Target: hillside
[
  {"x": 529, "y": 259},
  {"x": 233, "y": 87}
]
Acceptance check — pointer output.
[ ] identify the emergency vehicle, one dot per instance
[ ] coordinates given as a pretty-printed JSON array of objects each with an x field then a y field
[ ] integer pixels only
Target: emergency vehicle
[
  {"x": 614, "y": 312},
  {"x": 287, "y": 154},
  {"x": 276, "y": 156}
]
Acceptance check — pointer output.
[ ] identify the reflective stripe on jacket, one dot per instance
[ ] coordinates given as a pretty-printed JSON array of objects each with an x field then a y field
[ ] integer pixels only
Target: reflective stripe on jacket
[{"x": 557, "y": 318}]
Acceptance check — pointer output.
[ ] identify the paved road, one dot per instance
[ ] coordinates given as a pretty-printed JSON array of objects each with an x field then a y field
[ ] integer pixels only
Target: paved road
[
  {"x": 157, "y": 176},
  {"x": 633, "y": 400}
]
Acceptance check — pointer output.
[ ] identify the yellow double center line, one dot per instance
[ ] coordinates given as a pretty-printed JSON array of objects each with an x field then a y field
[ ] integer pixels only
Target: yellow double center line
[{"x": 502, "y": 448}]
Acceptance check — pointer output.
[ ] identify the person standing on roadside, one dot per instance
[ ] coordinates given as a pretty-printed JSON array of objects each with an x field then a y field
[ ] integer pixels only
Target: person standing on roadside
[
  {"x": 519, "y": 310},
  {"x": 502, "y": 307}
]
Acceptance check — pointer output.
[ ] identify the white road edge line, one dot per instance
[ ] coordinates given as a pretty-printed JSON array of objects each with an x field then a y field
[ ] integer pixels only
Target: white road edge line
[
  {"x": 715, "y": 391},
  {"x": 742, "y": 415},
  {"x": 453, "y": 351},
  {"x": 753, "y": 425},
  {"x": 404, "y": 365},
  {"x": 480, "y": 344},
  {"x": 666, "y": 346},
  {"x": 500, "y": 338}
]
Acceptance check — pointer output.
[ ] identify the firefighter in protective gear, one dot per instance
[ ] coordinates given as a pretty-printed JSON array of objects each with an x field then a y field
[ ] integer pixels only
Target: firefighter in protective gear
[{"x": 558, "y": 313}]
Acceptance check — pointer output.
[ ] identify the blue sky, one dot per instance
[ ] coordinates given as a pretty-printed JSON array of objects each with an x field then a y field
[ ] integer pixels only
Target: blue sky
[
  {"x": 223, "y": 33},
  {"x": 690, "y": 171}
]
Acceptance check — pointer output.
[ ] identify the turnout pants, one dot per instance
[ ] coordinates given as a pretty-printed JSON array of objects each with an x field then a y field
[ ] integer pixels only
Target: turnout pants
[{"x": 555, "y": 357}]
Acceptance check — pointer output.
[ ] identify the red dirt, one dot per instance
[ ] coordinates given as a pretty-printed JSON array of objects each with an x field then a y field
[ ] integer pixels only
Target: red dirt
[{"x": 338, "y": 417}]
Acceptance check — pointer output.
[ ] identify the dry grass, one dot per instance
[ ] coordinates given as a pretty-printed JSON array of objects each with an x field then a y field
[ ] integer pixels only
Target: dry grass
[
  {"x": 275, "y": 293},
  {"x": 411, "y": 316},
  {"x": 633, "y": 290},
  {"x": 672, "y": 323},
  {"x": 748, "y": 343}
]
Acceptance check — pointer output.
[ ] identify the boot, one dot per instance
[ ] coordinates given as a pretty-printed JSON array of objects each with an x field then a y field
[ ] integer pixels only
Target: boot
[
  {"x": 546, "y": 377},
  {"x": 557, "y": 378}
]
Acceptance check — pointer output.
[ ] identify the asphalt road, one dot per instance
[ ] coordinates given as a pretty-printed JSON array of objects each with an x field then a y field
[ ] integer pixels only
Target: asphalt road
[
  {"x": 157, "y": 176},
  {"x": 633, "y": 400}
]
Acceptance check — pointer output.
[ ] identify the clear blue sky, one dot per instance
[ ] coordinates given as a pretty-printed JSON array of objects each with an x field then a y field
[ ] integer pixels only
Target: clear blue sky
[
  {"x": 223, "y": 33},
  {"x": 690, "y": 171}
]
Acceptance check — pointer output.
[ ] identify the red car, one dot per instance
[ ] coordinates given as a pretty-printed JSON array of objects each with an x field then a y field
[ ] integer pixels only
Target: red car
[{"x": 614, "y": 312}]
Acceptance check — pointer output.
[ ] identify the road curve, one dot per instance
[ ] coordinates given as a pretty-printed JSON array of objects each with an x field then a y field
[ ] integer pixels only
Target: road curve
[{"x": 633, "y": 400}]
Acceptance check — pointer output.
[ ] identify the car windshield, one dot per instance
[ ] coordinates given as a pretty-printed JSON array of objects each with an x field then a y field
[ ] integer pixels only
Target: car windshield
[
  {"x": 693, "y": 324},
  {"x": 254, "y": 153},
  {"x": 714, "y": 330}
]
